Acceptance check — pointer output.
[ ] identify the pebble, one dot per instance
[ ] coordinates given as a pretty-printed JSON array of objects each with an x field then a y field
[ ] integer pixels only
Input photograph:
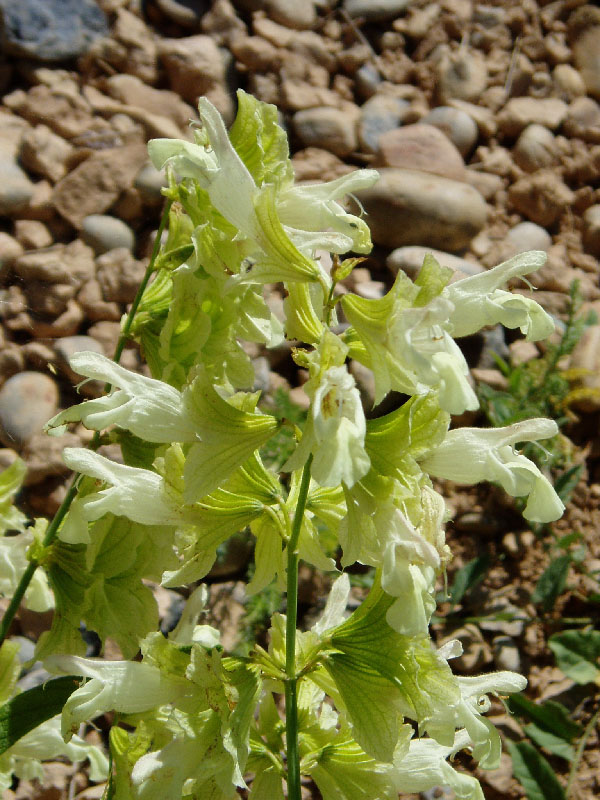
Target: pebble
[
  {"x": 150, "y": 182},
  {"x": 412, "y": 207},
  {"x": 568, "y": 83},
  {"x": 591, "y": 230},
  {"x": 541, "y": 197},
  {"x": 332, "y": 129},
  {"x": 584, "y": 33},
  {"x": 45, "y": 153},
  {"x": 187, "y": 13},
  {"x": 583, "y": 120},
  {"x": 32, "y": 234},
  {"x": 27, "y": 401},
  {"x": 500, "y": 606},
  {"x": 506, "y": 654},
  {"x": 520, "y": 112},
  {"x": 93, "y": 186},
  {"x": 290, "y": 13},
  {"x": 103, "y": 233},
  {"x": 458, "y": 126},
  {"x": 50, "y": 30},
  {"x": 16, "y": 190},
  {"x": 586, "y": 355},
  {"x": 195, "y": 67},
  {"x": 525, "y": 236},
  {"x": 375, "y": 10},
  {"x": 421, "y": 147},
  {"x": 378, "y": 115},
  {"x": 71, "y": 263},
  {"x": 462, "y": 74},
  {"x": 367, "y": 80},
  {"x": 65, "y": 347},
  {"x": 410, "y": 260},
  {"x": 131, "y": 91},
  {"x": 119, "y": 275},
  {"x": 535, "y": 148},
  {"x": 10, "y": 249}
]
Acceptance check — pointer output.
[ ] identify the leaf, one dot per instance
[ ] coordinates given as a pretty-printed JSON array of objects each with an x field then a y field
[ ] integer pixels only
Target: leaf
[
  {"x": 552, "y": 582},
  {"x": 468, "y": 577},
  {"x": 553, "y": 744},
  {"x": 577, "y": 654},
  {"x": 566, "y": 483},
  {"x": 29, "y": 709},
  {"x": 534, "y": 773},
  {"x": 551, "y": 715}
]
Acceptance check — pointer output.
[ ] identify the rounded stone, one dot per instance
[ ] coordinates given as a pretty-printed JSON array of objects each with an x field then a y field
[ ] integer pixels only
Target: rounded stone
[
  {"x": 333, "y": 129},
  {"x": 412, "y": 207},
  {"x": 187, "y": 13},
  {"x": 591, "y": 230},
  {"x": 378, "y": 115},
  {"x": 150, "y": 182},
  {"x": 520, "y": 112},
  {"x": 27, "y": 401},
  {"x": 410, "y": 260},
  {"x": 16, "y": 190},
  {"x": 103, "y": 233},
  {"x": 584, "y": 35},
  {"x": 535, "y": 148},
  {"x": 375, "y": 10},
  {"x": 462, "y": 75},
  {"x": 421, "y": 147},
  {"x": 527, "y": 236},
  {"x": 50, "y": 30},
  {"x": 458, "y": 126},
  {"x": 568, "y": 83}
]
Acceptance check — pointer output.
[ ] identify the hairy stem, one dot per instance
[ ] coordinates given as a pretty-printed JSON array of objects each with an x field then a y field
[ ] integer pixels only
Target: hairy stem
[
  {"x": 53, "y": 527},
  {"x": 291, "y": 684}
]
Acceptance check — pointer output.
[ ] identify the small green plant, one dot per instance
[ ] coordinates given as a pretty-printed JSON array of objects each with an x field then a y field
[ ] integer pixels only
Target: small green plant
[{"x": 372, "y": 707}]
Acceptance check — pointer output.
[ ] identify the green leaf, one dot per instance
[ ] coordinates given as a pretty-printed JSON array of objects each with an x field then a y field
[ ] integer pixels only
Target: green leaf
[
  {"x": 551, "y": 716},
  {"x": 468, "y": 577},
  {"x": 553, "y": 744},
  {"x": 565, "y": 484},
  {"x": 552, "y": 582},
  {"x": 29, "y": 709},
  {"x": 534, "y": 773},
  {"x": 577, "y": 654}
]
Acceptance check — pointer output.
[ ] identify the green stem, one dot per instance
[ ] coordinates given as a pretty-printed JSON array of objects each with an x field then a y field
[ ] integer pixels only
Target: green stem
[
  {"x": 291, "y": 684},
  {"x": 53, "y": 527}
]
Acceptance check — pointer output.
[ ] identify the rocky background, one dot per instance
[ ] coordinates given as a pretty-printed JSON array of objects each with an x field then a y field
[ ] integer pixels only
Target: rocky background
[{"x": 484, "y": 121}]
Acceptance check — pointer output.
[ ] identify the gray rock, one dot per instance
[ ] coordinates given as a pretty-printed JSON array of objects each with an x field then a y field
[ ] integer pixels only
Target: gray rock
[
  {"x": 410, "y": 260},
  {"x": 366, "y": 80},
  {"x": 16, "y": 190},
  {"x": 67, "y": 346},
  {"x": 458, "y": 126},
  {"x": 291, "y": 13},
  {"x": 535, "y": 148},
  {"x": 50, "y": 30},
  {"x": 27, "y": 401},
  {"x": 411, "y": 207},
  {"x": 119, "y": 275},
  {"x": 586, "y": 356},
  {"x": 375, "y": 10},
  {"x": 71, "y": 263},
  {"x": 333, "y": 129},
  {"x": 421, "y": 147},
  {"x": 525, "y": 236},
  {"x": 187, "y": 13},
  {"x": 591, "y": 230},
  {"x": 103, "y": 233},
  {"x": 506, "y": 654},
  {"x": 378, "y": 115},
  {"x": 462, "y": 74},
  {"x": 520, "y": 112},
  {"x": 584, "y": 33},
  {"x": 150, "y": 182}
]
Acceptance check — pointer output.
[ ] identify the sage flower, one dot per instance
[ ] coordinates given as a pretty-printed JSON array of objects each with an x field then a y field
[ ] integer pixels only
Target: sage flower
[{"x": 471, "y": 455}]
